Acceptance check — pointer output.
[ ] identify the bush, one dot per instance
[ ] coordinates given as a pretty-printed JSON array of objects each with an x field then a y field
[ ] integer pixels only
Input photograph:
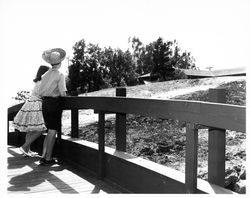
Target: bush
[
  {"x": 22, "y": 96},
  {"x": 178, "y": 74}
]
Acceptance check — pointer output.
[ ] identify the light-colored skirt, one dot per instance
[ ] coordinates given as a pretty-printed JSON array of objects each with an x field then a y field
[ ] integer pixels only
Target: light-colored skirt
[{"x": 30, "y": 117}]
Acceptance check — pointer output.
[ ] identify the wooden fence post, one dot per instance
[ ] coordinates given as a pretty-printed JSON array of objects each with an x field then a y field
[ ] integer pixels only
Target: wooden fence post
[
  {"x": 216, "y": 144},
  {"x": 74, "y": 123},
  {"x": 120, "y": 127},
  {"x": 101, "y": 144},
  {"x": 191, "y": 158}
]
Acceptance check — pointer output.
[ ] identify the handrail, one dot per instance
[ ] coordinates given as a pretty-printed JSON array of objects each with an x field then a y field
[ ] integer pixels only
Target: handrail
[
  {"x": 231, "y": 117},
  {"x": 217, "y": 115}
]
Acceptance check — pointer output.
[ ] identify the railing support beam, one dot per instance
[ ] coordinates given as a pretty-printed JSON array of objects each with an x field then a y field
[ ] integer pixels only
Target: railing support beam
[
  {"x": 191, "y": 158},
  {"x": 74, "y": 123},
  {"x": 101, "y": 145},
  {"x": 120, "y": 127},
  {"x": 216, "y": 144}
]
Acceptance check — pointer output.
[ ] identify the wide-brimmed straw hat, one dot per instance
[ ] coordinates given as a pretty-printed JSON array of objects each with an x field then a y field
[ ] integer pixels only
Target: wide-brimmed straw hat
[{"x": 54, "y": 56}]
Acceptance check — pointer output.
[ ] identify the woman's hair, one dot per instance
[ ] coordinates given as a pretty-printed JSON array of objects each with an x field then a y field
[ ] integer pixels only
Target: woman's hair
[{"x": 42, "y": 69}]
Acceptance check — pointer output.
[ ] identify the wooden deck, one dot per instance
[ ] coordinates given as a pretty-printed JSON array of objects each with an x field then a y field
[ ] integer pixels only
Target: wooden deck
[{"x": 25, "y": 175}]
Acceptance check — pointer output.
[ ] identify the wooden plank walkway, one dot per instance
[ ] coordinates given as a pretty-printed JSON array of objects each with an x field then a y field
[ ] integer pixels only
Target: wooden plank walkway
[{"x": 25, "y": 175}]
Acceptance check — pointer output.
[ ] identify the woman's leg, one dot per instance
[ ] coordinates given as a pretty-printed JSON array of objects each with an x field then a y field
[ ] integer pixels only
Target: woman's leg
[
  {"x": 52, "y": 116},
  {"x": 29, "y": 138},
  {"x": 51, "y": 137},
  {"x": 45, "y": 146},
  {"x": 25, "y": 146}
]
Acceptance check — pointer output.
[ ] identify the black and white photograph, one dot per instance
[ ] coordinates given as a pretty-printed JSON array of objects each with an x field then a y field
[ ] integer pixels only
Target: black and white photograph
[{"x": 124, "y": 97}]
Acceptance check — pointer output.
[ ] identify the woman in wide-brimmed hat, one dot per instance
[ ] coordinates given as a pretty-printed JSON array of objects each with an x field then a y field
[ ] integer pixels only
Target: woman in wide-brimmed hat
[
  {"x": 54, "y": 56},
  {"x": 29, "y": 119},
  {"x": 52, "y": 87}
]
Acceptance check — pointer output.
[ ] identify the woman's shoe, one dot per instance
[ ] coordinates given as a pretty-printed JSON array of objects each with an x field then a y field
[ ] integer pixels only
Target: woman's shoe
[
  {"x": 32, "y": 154},
  {"x": 24, "y": 152},
  {"x": 47, "y": 162},
  {"x": 42, "y": 161}
]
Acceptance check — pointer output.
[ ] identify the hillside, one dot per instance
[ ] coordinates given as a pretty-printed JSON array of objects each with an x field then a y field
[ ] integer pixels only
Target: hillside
[
  {"x": 170, "y": 89},
  {"x": 163, "y": 141}
]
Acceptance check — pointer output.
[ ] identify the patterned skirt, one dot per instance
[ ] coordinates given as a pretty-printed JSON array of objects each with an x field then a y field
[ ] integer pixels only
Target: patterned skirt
[{"x": 30, "y": 117}]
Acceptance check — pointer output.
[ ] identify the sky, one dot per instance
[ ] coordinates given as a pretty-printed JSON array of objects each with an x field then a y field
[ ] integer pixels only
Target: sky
[{"x": 216, "y": 32}]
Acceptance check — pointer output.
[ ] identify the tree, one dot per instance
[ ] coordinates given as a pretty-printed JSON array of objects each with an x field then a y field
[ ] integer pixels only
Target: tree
[
  {"x": 93, "y": 67},
  {"x": 122, "y": 69},
  {"x": 161, "y": 59},
  {"x": 74, "y": 77},
  {"x": 117, "y": 68},
  {"x": 162, "y": 62},
  {"x": 72, "y": 80},
  {"x": 107, "y": 62},
  {"x": 130, "y": 76},
  {"x": 86, "y": 72},
  {"x": 142, "y": 56},
  {"x": 182, "y": 60}
]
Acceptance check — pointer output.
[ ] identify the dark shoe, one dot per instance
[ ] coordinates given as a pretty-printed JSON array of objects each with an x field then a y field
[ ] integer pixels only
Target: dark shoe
[
  {"x": 49, "y": 162},
  {"x": 42, "y": 161}
]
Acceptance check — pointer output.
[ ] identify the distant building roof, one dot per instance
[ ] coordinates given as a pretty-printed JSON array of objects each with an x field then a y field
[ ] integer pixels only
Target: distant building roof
[
  {"x": 192, "y": 72},
  {"x": 228, "y": 72},
  {"x": 209, "y": 73},
  {"x": 221, "y": 72}
]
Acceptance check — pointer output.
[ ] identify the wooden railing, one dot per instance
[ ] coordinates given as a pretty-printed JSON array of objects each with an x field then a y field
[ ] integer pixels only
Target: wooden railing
[{"x": 218, "y": 117}]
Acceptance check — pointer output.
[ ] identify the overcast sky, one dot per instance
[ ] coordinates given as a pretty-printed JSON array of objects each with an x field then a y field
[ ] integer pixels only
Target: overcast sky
[{"x": 216, "y": 32}]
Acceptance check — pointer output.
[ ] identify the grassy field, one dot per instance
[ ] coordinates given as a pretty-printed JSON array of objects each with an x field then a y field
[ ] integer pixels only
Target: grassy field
[{"x": 163, "y": 141}]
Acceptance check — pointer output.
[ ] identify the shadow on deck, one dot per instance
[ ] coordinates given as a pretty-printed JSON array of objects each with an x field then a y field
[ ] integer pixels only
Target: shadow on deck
[{"x": 25, "y": 175}]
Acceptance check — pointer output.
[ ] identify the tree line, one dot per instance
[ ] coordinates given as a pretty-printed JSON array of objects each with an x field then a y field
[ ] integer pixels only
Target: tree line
[{"x": 93, "y": 68}]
